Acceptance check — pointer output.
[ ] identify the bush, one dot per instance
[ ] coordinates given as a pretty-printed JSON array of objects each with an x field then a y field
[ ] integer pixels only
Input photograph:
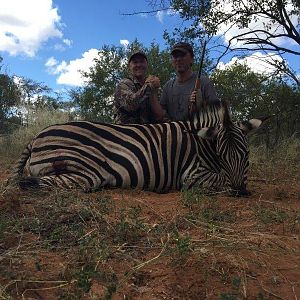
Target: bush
[
  {"x": 13, "y": 144},
  {"x": 285, "y": 151}
]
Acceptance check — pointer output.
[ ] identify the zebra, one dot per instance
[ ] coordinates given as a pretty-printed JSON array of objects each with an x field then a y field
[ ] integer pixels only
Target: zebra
[{"x": 209, "y": 150}]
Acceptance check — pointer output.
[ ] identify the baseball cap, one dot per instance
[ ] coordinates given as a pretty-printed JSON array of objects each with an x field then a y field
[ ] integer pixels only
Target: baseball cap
[
  {"x": 137, "y": 53},
  {"x": 183, "y": 47}
]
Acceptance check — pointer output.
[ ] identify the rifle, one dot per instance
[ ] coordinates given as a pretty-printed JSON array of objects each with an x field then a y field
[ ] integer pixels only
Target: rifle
[{"x": 195, "y": 105}]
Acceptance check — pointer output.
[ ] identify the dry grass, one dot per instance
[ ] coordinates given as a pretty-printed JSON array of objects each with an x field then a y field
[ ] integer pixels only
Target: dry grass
[
  {"x": 139, "y": 245},
  {"x": 12, "y": 145}
]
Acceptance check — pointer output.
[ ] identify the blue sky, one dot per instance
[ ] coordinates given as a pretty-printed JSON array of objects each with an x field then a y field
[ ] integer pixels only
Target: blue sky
[
  {"x": 68, "y": 33},
  {"x": 50, "y": 40}
]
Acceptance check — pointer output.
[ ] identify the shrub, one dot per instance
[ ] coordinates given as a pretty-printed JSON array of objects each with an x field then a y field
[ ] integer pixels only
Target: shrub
[{"x": 12, "y": 145}]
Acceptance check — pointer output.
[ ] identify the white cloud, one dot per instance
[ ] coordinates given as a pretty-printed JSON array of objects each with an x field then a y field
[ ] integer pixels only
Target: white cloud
[
  {"x": 160, "y": 16},
  {"x": 26, "y": 25},
  {"x": 69, "y": 73},
  {"x": 143, "y": 15},
  {"x": 172, "y": 12},
  {"x": 67, "y": 42},
  {"x": 257, "y": 62},
  {"x": 51, "y": 62},
  {"x": 17, "y": 80},
  {"x": 124, "y": 43}
]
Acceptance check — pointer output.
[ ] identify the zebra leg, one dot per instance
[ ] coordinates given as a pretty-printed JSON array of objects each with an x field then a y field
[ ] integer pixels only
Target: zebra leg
[
  {"x": 64, "y": 181},
  {"x": 19, "y": 167}
]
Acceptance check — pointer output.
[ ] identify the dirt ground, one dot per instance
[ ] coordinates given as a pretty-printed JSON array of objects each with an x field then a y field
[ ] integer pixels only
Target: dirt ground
[{"x": 140, "y": 245}]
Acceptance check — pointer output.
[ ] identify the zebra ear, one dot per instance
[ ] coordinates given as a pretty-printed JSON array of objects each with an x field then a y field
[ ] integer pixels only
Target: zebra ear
[
  {"x": 252, "y": 124},
  {"x": 207, "y": 133}
]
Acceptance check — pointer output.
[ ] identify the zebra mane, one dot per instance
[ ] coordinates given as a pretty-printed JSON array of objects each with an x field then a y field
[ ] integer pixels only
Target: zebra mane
[{"x": 210, "y": 115}]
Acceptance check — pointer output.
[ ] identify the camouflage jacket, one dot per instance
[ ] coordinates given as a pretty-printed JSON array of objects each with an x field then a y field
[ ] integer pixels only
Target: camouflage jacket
[{"x": 132, "y": 102}]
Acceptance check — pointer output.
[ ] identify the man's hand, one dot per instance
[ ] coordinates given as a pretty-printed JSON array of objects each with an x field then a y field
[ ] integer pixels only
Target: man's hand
[
  {"x": 193, "y": 97},
  {"x": 153, "y": 82}
]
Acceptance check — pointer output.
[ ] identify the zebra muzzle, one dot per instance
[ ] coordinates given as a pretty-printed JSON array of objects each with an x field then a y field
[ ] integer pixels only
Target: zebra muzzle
[{"x": 240, "y": 191}]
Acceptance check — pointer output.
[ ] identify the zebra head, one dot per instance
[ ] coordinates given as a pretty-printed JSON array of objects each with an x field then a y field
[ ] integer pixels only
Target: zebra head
[{"x": 231, "y": 150}]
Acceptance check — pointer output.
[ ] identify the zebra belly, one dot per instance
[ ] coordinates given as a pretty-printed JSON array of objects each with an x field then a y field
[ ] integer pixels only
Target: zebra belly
[{"x": 106, "y": 172}]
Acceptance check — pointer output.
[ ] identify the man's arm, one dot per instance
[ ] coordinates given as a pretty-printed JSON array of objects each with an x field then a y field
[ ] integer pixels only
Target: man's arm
[
  {"x": 126, "y": 97},
  {"x": 158, "y": 112}
]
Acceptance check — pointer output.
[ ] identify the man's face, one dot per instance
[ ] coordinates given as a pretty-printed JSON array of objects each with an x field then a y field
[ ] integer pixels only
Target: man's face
[
  {"x": 181, "y": 61},
  {"x": 138, "y": 66}
]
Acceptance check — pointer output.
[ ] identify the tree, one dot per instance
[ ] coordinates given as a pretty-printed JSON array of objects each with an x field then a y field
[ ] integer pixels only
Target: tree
[
  {"x": 269, "y": 26},
  {"x": 282, "y": 101},
  {"x": 263, "y": 22},
  {"x": 241, "y": 87},
  {"x": 159, "y": 63},
  {"x": 252, "y": 95},
  {"x": 18, "y": 95},
  {"x": 94, "y": 99},
  {"x": 31, "y": 89},
  {"x": 34, "y": 97},
  {"x": 9, "y": 98}
]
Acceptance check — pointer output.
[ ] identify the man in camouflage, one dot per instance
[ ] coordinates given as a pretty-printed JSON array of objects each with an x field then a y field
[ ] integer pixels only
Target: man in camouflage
[{"x": 136, "y": 99}]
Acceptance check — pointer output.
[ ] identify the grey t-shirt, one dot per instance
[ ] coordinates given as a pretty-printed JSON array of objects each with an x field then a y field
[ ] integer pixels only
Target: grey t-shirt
[{"x": 175, "y": 96}]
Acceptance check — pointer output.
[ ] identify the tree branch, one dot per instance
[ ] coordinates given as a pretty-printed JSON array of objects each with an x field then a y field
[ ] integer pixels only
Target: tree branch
[
  {"x": 292, "y": 28},
  {"x": 146, "y": 12},
  {"x": 262, "y": 41}
]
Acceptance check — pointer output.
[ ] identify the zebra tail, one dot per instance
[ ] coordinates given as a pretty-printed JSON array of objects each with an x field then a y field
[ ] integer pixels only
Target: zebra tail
[{"x": 19, "y": 167}]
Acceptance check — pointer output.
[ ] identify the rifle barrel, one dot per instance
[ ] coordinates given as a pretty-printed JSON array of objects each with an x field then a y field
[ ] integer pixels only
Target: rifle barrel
[{"x": 202, "y": 59}]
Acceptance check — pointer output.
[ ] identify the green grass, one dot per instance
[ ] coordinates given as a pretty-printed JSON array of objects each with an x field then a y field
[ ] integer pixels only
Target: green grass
[{"x": 180, "y": 248}]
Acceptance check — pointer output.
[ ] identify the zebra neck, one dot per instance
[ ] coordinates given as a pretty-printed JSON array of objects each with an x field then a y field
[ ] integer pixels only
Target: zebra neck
[
  {"x": 208, "y": 116},
  {"x": 205, "y": 178}
]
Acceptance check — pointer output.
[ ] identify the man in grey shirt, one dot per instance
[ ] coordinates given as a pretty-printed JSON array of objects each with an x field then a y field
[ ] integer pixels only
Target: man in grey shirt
[{"x": 179, "y": 92}]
